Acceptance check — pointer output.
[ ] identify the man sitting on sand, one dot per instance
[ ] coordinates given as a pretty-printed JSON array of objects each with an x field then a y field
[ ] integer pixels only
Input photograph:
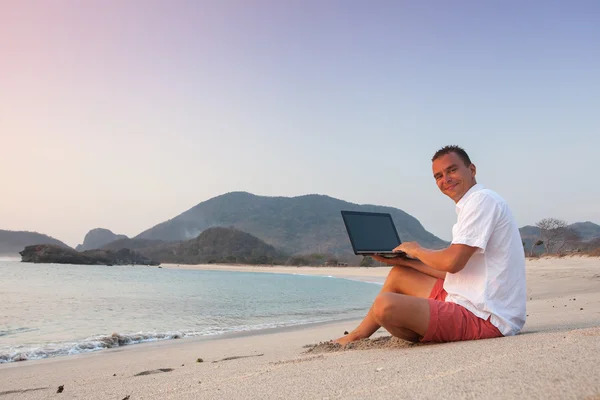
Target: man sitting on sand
[{"x": 474, "y": 289}]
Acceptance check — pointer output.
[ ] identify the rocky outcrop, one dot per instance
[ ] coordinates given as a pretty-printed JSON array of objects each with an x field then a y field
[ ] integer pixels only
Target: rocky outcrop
[
  {"x": 60, "y": 255},
  {"x": 97, "y": 238}
]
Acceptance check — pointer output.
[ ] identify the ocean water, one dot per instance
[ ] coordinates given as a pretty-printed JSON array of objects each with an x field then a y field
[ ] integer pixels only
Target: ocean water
[{"x": 49, "y": 310}]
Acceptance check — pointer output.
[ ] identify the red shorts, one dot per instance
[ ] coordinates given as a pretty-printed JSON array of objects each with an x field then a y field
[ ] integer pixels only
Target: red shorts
[{"x": 450, "y": 322}]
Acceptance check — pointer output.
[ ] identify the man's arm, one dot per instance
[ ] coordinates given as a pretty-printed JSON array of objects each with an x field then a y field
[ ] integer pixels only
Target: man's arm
[
  {"x": 421, "y": 267},
  {"x": 451, "y": 259},
  {"x": 412, "y": 263}
]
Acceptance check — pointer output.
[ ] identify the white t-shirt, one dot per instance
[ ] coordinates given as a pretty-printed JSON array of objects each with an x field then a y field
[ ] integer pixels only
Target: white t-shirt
[{"x": 492, "y": 284}]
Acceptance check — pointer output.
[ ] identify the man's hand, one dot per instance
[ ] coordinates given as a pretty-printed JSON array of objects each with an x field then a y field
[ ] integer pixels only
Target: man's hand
[
  {"x": 410, "y": 248},
  {"x": 451, "y": 259}
]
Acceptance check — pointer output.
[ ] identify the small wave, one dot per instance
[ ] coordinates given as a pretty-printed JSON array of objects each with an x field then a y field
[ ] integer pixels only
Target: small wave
[
  {"x": 311, "y": 275},
  {"x": 341, "y": 277},
  {"x": 374, "y": 283},
  {"x": 362, "y": 281},
  {"x": 95, "y": 343},
  {"x": 347, "y": 278},
  {"x": 309, "y": 313}
]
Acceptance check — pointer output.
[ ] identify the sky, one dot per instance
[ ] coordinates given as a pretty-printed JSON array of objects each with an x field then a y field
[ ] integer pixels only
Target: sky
[{"x": 122, "y": 114}]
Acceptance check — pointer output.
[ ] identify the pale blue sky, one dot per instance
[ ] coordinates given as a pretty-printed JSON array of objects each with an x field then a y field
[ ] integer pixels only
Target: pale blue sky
[{"x": 123, "y": 114}]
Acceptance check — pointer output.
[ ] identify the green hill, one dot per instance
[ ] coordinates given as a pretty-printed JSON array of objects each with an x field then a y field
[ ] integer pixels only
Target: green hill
[
  {"x": 295, "y": 225},
  {"x": 214, "y": 245}
]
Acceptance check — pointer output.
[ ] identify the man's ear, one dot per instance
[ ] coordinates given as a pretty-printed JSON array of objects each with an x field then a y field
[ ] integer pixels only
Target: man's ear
[{"x": 473, "y": 169}]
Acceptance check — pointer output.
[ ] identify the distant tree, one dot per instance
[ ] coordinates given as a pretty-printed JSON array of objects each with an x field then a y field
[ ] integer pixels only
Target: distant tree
[
  {"x": 555, "y": 234},
  {"x": 366, "y": 262},
  {"x": 570, "y": 240}
]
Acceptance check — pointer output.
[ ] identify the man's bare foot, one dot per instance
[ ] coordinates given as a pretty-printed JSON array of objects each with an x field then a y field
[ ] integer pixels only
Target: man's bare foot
[{"x": 344, "y": 340}]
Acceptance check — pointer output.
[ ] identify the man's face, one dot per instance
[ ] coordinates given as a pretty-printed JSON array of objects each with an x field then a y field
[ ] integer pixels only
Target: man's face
[{"x": 452, "y": 176}]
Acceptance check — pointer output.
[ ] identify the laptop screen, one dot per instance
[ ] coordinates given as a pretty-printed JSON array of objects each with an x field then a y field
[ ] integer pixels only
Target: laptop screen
[{"x": 371, "y": 231}]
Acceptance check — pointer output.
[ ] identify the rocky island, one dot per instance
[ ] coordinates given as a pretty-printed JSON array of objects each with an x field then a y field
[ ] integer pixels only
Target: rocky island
[{"x": 44, "y": 253}]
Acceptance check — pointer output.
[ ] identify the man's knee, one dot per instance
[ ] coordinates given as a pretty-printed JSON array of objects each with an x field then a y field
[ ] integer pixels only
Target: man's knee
[
  {"x": 382, "y": 306},
  {"x": 397, "y": 278},
  {"x": 401, "y": 312}
]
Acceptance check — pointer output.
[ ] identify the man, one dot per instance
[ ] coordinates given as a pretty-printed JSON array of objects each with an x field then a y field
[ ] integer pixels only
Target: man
[{"x": 473, "y": 289}]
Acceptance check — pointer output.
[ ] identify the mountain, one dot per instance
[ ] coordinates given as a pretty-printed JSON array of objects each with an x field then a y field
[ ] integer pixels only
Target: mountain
[
  {"x": 12, "y": 242},
  {"x": 529, "y": 231},
  {"x": 586, "y": 230},
  {"x": 213, "y": 245},
  {"x": 96, "y": 238},
  {"x": 296, "y": 225}
]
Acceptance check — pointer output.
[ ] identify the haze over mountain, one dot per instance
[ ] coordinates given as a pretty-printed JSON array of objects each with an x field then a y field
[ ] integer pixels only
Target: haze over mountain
[
  {"x": 12, "y": 242},
  {"x": 96, "y": 238},
  {"x": 296, "y": 225}
]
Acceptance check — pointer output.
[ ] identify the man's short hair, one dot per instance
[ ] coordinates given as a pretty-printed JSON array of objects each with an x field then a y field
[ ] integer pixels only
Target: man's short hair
[{"x": 459, "y": 151}]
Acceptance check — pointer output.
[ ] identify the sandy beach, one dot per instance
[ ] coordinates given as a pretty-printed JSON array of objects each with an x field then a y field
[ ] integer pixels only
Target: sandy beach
[{"x": 557, "y": 356}]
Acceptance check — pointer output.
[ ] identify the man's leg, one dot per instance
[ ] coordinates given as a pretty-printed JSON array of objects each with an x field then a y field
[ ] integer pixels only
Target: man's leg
[
  {"x": 399, "y": 314},
  {"x": 400, "y": 280}
]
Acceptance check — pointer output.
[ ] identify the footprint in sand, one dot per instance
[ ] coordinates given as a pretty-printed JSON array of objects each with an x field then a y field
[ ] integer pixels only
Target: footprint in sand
[
  {"x": 299, "y": 360},
  {"x": 237, "y": 357},
  {"x": 22, "y": 391},
  {"x": 586, "y": 332},
  {"x": 154, "y": 371},
  {"x": 578, "y": 334}
]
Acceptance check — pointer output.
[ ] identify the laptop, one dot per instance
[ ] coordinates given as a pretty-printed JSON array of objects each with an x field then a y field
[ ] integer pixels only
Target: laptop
[{"x": 372, "y": 233}]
